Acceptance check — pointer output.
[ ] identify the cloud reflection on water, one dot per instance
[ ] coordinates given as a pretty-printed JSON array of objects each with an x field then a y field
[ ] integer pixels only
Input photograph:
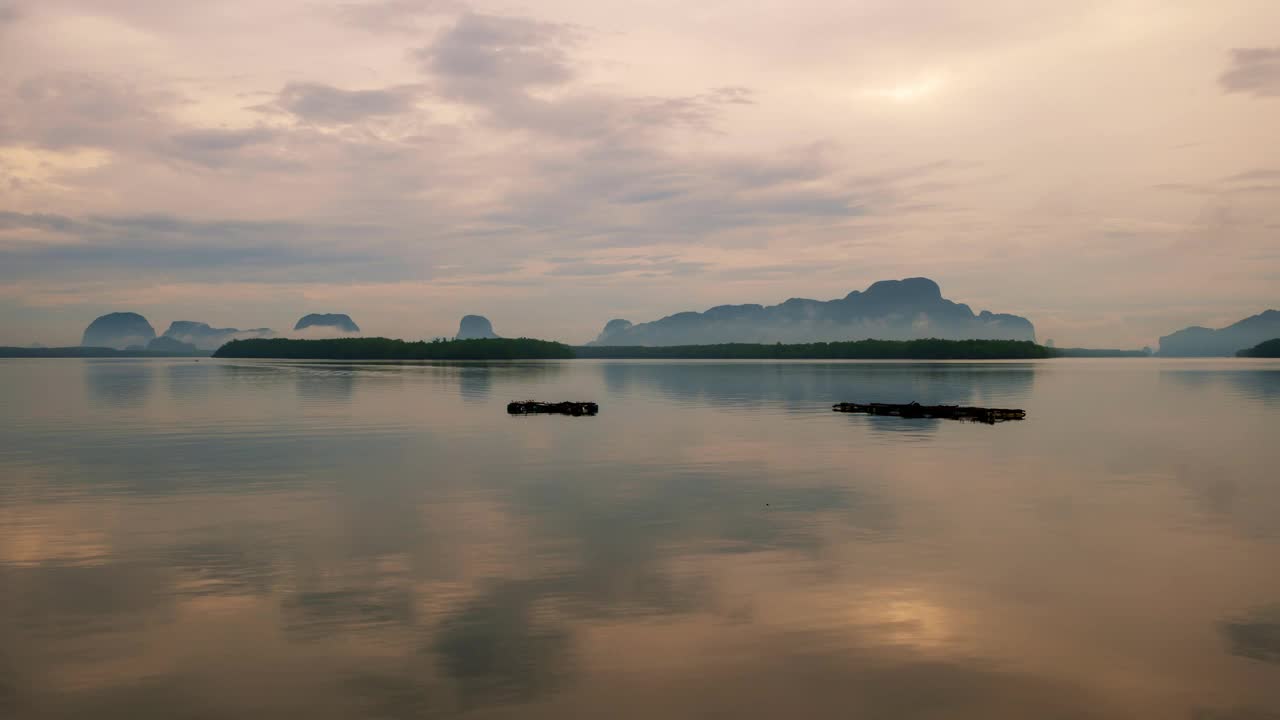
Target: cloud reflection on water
[{"x": 394, "y": 545}]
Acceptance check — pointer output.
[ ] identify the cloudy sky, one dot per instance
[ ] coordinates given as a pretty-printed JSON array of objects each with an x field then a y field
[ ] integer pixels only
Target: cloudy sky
[{"x": 1110, "y": 169}]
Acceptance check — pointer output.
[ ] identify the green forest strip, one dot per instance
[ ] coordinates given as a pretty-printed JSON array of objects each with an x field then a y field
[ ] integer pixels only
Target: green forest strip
[
  {"x": 387, "y": 349},
  {"x": 1099, "y": 353},
  {"x": 1268, "y": 349},
  {"x": 526, "y": 349},
  {"x": 852, "y": 350}
]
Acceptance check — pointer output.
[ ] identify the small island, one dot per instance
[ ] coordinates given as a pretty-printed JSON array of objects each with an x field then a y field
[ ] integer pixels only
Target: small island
[
  {"x": 931, "y": 349},
  {"x": 379, "y": 348},
  {"x": 529, "y": 349},
  {"x": 1268, "y": 349}
]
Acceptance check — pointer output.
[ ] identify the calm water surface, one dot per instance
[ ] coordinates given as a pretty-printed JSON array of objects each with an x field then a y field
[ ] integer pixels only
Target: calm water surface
[{"x": 217, "y": 539}]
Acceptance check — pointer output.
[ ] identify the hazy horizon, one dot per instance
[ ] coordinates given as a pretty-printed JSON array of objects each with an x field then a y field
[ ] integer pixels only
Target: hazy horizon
[
  {"x": 285, "y": 330},
  {"x": 1108, "y": 170}
]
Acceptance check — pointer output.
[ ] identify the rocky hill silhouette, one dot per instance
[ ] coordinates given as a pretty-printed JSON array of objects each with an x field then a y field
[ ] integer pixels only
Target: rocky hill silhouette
[{"x": 907, "y": 309}]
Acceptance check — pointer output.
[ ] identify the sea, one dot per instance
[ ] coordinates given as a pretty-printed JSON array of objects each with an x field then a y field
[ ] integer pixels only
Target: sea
[{"x": 208, "y": 539}]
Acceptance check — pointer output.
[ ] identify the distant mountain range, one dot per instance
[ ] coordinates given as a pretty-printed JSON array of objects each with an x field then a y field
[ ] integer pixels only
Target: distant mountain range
[
  {"x": 907, "y": 309},
  {"x": 205, "y": 337},
  {"x": 129, "y": 330},
  {"x": 1199, "y": 341}
]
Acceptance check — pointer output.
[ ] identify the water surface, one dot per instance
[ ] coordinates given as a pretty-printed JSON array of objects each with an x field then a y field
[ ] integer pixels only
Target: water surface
[{"x": 217, "y": 539}]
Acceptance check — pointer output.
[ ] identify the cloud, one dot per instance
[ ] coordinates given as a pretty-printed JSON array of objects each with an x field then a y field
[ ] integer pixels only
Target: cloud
[
  {"x": 652, "y": 267},
  {"x": 393, "y": 16},
  {"x": 215, "y": 140},
  {"x": 611, "y": 181},
  {"x": 488, "y": 54},
  {"x": 618, "y": 192},
  {"x": 72, "y": 111},
  {"x": 800, "y": 164},
  {"x": 1254, "y": 71},
  {"x": 248, "y": 148},
  {"x": 164, "y": 246},
  {"x": 1258, "y": 183},
  {"x": 1261, "y": 174},
  {"x": 67, "y": 112},
  {"x": 328, "y": 105},
  {"x": 522, "y": 73},
  {"x": 37, "y": 221},
  {"x": 77, "y": 110},
  {"x": 479, "y": 140}
]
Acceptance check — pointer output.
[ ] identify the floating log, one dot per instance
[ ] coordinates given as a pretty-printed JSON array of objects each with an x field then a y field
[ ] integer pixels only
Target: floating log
[
  {"x": 990, "y": 416},
  {"x": 529, "y": 407}
]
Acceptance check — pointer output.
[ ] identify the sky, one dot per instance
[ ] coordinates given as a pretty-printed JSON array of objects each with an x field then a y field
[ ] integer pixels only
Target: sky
[{"x": 1109, "y": 169}]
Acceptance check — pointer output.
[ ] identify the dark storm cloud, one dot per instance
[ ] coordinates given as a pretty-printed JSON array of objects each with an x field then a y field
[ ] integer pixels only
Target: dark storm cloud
[
  {"x": 1255, "y": 71},
  {"x": 325, "y": 104}
]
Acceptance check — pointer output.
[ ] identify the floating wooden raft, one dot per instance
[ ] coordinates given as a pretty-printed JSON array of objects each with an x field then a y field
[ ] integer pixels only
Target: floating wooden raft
[
  {"x": 948, "y": 412},
  {"x": 561, "y": 408}
]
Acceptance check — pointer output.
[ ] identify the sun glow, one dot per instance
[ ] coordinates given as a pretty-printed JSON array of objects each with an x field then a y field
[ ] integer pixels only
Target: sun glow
[{"x": 918, "y": 89}]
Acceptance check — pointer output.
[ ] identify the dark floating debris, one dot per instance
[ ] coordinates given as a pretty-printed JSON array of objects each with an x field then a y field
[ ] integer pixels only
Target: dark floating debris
[
  {"x": 990, "y": 416},
  {"x": 561, "y": 408}
]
